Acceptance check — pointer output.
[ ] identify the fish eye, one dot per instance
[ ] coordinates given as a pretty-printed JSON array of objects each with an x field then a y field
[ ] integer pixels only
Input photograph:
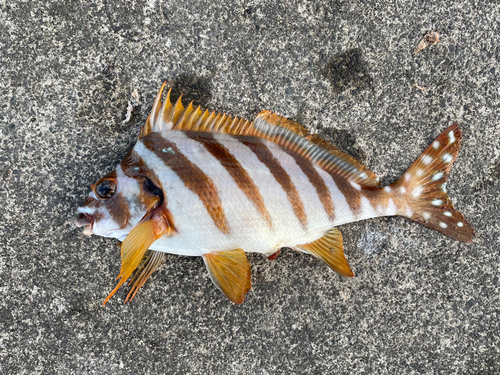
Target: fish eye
[{"x": 105, "y": 189}]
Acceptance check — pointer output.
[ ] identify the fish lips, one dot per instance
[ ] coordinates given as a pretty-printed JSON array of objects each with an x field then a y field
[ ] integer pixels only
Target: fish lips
[{"x": 87, "y": 221}]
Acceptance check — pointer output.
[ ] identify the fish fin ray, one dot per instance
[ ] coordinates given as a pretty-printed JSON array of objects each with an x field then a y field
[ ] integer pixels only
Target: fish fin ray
[
  {"x": 267, "y": 125},
  {"x": 230, "y": 272},
  {"x": 290, "y": 134},
  {"x": 134, "y": 247},
  {"x": 176, "y": 117},
  {"x": 329, "y": 249},
  {"x": 149, "y": 264},
  {"x": 425, "y": 199}
]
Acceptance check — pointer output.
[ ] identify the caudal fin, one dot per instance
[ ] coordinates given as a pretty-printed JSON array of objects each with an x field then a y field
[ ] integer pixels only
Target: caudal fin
[{"x": 424, "y": 187}]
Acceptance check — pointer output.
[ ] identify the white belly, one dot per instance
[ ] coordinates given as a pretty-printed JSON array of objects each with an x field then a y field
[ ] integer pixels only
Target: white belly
[{"x": 197, "y": 232}]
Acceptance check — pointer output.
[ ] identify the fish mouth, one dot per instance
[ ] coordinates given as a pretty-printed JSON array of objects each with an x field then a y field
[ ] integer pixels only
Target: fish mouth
[{"x": 86, "y": 221}]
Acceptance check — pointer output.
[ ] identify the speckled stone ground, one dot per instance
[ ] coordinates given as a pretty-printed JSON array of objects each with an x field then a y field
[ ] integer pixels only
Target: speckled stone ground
[{"x": 420, "y": 303}]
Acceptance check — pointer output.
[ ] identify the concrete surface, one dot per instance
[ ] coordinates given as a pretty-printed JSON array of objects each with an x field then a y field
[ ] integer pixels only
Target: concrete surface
[{"x": 420, "y": 303}]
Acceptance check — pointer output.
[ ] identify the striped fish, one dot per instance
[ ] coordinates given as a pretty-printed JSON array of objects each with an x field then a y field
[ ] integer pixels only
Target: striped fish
[{"x": 210, "y": 185}]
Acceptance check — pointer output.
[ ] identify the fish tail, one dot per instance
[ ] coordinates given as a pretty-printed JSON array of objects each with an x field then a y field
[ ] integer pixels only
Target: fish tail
[{"x": 421, "y": 191}]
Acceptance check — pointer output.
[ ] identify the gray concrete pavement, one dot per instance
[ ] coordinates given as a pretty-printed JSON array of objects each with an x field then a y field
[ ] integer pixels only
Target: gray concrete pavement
[{"x": 420, "y": 303}]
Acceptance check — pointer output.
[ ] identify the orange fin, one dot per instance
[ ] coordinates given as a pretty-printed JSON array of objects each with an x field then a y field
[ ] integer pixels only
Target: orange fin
[
  {"x": 138, "y": 241},
  {"x": 329, "y": 249},
  {"x": 424, "y": 186},
  {"x": 149, "y": 126},
  {"x": 166, "y": 116},
  {"x": 280, "y": 130},
  {"x": 230, "y": 272},
  {"x": 311, "y": 146},
  {"x": 149, "y": 264}
]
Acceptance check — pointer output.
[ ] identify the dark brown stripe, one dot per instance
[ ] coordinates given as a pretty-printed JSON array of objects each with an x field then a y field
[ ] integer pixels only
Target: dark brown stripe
[
  {"x": 266, "y": 157},
  {"x": 377, "y": 196},
  {"x": 192, "y": 176},
  {"x": 351, "y": 195},
  {"x": 118, "y": 209},
  {"x": 116, "y": 205},
  {"x": 234, "y": 168},
  {"x": 316, "y": 180},
  {"x": 134, "y": 167}
]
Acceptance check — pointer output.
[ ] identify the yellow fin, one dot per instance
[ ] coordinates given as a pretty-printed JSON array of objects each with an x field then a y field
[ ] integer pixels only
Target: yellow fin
[
  {"x": 149, "y": 264},
  {"x": 230, "y": 272},
  {"x": 134, "y": 246},
  {"x": 267, "y": 125},
  {"x": 166, "y": 116},
  {"x": 329, "y": 248}
]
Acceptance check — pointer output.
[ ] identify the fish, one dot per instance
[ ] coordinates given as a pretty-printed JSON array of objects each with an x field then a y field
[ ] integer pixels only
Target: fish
[{"x": 201, "y": 183}]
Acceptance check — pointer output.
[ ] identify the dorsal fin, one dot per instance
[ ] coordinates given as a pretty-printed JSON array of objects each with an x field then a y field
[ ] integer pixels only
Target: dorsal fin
[
  {"x": 166, "y": 116},
  {"x": 282, "y": 131},
  {"x": 294, "y": 136}
]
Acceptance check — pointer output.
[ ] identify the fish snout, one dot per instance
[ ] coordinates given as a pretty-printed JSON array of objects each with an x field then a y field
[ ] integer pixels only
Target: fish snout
[{"x": 87, "y": 221}]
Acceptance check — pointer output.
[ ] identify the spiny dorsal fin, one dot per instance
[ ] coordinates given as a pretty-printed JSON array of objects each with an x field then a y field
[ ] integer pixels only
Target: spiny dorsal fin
[
  {"x": 329, "y": 249},
  {"x": 166, "y": 116},
  {"x": 282, "y": 131},
  {"x": 230, "y": 272}
]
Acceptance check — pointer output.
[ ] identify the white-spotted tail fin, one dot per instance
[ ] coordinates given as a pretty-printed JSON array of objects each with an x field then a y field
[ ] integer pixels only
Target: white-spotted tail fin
[{"x": 423, "y": 188}]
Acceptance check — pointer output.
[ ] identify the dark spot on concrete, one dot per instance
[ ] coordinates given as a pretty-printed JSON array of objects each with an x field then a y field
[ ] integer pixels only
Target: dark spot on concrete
[
  {"x": 470, "y": 303},
  {"x": 247, "y": 12},
  {"x": 491, "y": 364},
  {"x": 126, "y": 18},
  {"x": 343, "y": 140},
  {"x": 192, "y": 88},
  {"x": 348, "y": 71},
  {"x": 81, "y": 307},
  {"x": 6, "y": 174}
]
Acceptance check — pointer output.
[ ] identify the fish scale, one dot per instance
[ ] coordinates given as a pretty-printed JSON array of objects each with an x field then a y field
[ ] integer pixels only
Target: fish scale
[{"x": 205, "y": 184}]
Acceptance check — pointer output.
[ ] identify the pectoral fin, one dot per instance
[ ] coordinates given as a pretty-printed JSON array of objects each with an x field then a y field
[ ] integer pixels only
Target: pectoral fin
[
  {"x": 134, "y": 247},
  {"x": 230, "y": 272},
  {"x": 329, "y": 249}
]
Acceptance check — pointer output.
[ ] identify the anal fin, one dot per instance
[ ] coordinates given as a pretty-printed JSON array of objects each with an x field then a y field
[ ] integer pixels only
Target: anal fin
[
  {"x": 329, "y": 249},
  {"x": 230, "y": 272}
]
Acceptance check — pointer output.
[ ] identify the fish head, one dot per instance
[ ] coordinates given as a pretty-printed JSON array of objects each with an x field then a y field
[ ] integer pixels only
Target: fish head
[{"x": 117, "y": 202}]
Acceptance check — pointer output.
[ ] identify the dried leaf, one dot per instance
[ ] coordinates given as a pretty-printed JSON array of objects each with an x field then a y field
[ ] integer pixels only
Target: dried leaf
[
  {"x": 428, "y": 40},
  {"x": 132, "y": 103}
]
